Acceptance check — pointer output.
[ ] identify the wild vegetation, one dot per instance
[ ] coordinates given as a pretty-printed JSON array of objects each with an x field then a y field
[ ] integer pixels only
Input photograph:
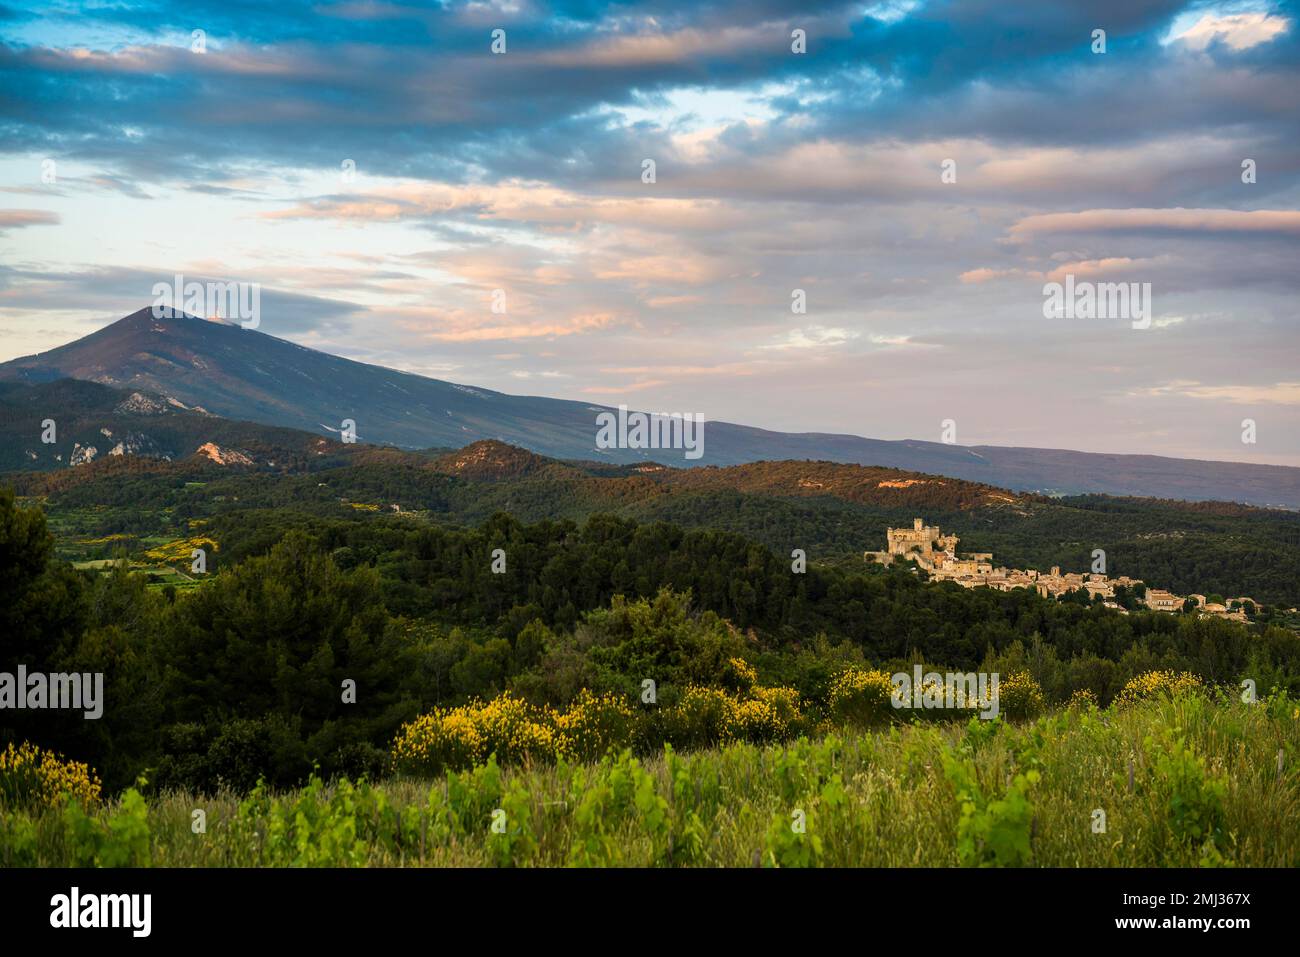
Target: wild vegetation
[
  {"x": 833, "y": 512},
  {"x": 243, "y": 677},
  {"x": 337, "y": 669},
  {"x": 1181, "y": 780}
]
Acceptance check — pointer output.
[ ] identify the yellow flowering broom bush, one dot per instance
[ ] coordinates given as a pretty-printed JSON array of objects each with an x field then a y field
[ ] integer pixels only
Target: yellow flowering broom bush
[
  {"x": 594, "y": 724},
  {"x": 31, "y": 777},
  {"x": 785, "y": 702},
  {"x": 866, "y": 698},
  {"x": 444, "y": 739},
  {"x": 512, "y": 729},
  {"x": 739, "y": 675},
  {"x": 1083, "y": 699},
  {"x": 861, "y": 697},
  {"x": 757, "y": 721},
  {"x": 515, "y": 730},
  {"x": 1158, "y": 684},
  {"x": 1019, "y": 696},
  {"x": 941, "y": 701},
  {"x": 709, "y": 716},
  {"x": 180, "y": 551},
  {"x": 703, "y": 718}
]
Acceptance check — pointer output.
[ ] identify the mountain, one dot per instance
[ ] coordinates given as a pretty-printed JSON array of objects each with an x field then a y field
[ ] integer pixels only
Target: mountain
[
  {"x": 89, "y": 424},
  {"x": 130, "y": 469},
  {"x": 248, "y": 375}
]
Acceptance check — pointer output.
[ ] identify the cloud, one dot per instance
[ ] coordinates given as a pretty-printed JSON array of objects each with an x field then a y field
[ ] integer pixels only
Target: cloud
[
  {"x": 1113, "y": 266},
  {"x": 1239, "y": 31},
  {"x": 813, "y": 337},
  {"x": 108, "y": 293},
  {"x": 511, "y": 200},
  {"x": 1277, "y": 393},
  {"x": 663, "y": 270},
  {"x": 1279, "y": 222},
  {"x": 543, "y": 374},
  {"x": 668, "y": 48},
  {"x": 460, "y": 328},
  {"x": 900, "y": 342},
  {"x": 727, "y": 369},
  {"x": 19, "y": 218},
  {"x": 984, "y": 274},
  {"x": 776, "y": 171},
  {"x": 626, "y": 387}
]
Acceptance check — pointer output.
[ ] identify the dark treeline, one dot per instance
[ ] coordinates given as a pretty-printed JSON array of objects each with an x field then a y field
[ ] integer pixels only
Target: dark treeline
[{"x": 244, "y": 676}]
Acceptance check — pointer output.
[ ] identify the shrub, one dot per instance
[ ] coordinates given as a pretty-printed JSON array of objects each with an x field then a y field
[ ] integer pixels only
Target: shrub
[
  {"x": 1019, "y": 696},
  {"x": 180, "y": 551},
  {"x": 619, "y": 789},
  {"x": 235, "y": 754},
  {"x": 445, "y": 739},
  {"x": 862, "y": 697},
  {"x": 992, "y": 831},
  {"x": 515, "y": 730},
  {"x": 1082, "y": 700},
  {"x": 121, "y": 839},
  {"x": 244, "y": 750},
  {"x": 1195, "y": 798},
  {"x": 739, "y": 675},
  {"x": 594, "y": 724},
  {"x": 507, "y": 726},
  {"x": 357, "y": 760},
  {"x": 786, "y": 846},
  {"x": 757, "y": 721},
  {"x": 1159, "y": 684},
  {"x": 33, "y": 778},
  {"x": 786, "y": 703},
  {"x": 704, "y": 717}
]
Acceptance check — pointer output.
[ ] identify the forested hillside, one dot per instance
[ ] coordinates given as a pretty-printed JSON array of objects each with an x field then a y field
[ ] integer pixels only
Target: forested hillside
[
  {"x": 833, "y": 512},
  {"x": 240, "y": 677}
]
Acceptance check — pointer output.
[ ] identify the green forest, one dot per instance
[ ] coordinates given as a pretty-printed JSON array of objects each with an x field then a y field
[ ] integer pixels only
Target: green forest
[
  {"x": 833, "y": 512},
  {"x": 239, "y": 680}
]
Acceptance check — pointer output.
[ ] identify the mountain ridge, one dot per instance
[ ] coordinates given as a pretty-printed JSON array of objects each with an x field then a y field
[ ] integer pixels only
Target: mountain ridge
[{"x": 248, "y": 375}]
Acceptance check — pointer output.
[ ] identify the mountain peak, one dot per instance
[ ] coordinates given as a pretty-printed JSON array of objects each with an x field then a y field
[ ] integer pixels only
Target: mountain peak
[
  {"x": 164, "y": 314},
  {"x": 246, "y": 374}
]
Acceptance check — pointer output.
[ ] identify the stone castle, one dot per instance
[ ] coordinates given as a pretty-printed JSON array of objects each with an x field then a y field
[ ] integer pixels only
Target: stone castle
[{"x": 936, "y": 553}]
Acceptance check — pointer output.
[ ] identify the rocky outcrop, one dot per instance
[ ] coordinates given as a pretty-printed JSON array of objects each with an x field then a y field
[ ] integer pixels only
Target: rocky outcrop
[{"x": 223, "y": 456}]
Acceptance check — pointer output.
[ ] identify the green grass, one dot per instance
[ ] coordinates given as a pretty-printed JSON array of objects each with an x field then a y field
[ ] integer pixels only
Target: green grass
[
  {"x": 97, "y": 564},
  {"x": 1205, "y": 790},
  {"x": 160, "y": 576}
]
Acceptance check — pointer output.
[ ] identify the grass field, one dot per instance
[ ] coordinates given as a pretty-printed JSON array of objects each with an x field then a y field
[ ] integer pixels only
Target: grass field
[
  {"x": 160, "y": 576},
  {"x": 1188, "y": 781}
]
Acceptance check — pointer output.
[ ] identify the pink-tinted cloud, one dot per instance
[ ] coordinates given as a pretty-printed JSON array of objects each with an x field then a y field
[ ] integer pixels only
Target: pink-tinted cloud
[
  {"x": 458, "y": 327},
  {"x": 1260, "y": 221},
  {"x": 1240, "y": 31},
  {"x": 18, "y": 218}
]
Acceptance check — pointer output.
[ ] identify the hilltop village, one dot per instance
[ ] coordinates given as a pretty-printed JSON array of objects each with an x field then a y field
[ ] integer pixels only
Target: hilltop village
[{"x": 936, "y": 554}]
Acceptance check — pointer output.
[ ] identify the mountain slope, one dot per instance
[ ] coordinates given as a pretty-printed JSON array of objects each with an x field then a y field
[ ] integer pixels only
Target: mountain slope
[
  {"x": 93, "y": 424},
  {"x": 245, "y": 374}
]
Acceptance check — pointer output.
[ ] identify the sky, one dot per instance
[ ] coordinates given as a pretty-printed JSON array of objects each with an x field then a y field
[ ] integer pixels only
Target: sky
[{"x": 920, "y": 171}]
